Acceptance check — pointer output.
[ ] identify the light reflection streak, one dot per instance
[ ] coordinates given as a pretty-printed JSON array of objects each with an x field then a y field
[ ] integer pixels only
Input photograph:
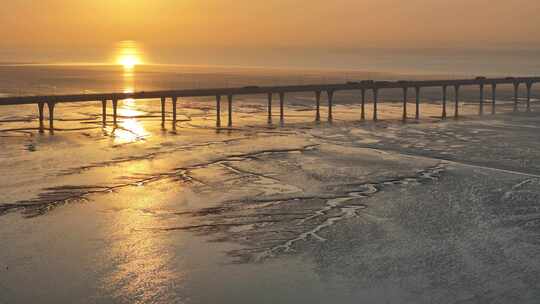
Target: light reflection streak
[
  {"x": 131, "y": 128},
  {"x": 143, "y": 271}
]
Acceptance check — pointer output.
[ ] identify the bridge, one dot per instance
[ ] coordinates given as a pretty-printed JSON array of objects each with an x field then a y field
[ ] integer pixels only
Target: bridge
[{"x": 270, "y": 91}]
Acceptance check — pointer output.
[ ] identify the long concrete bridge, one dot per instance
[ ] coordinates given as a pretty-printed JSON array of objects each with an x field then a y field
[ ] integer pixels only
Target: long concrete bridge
[{"x": 329, "y": 89}]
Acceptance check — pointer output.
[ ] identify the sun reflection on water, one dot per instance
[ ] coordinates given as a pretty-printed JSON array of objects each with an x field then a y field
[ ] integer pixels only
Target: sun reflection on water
[
  {"x": 131, "y": 128},
  {"x": 143, "y": 268}
]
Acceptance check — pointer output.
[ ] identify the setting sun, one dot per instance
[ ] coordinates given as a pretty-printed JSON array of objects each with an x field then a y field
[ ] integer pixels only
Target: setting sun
[
  {"x": 129, "y": 54},
  {"x": 129, "y": 61}
]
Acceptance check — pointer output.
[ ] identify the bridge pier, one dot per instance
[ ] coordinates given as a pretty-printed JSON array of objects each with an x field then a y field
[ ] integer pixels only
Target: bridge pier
[
  {"x": 330, "y": 104},
  {"x": 104, "y": 112},
  {"x": 230, "y": 100},
  {"x": 115, "y": 111},
  {"x": 363, "y": 113},
  {"x": 444, "y": 95},
  {"x": 529, "y": 88},
  {"x": 218, "y": 111},
  {"x": 516, "y": 90},
  {"x": 40, "y": 110},
  {"x": 281, "y": 109},
  {"x": 270, "y": 95},
  {"x": 375, "y": 100},
  {"x": 50, "y": 105},
  {"x": 174, "y": 103},
  {"x": 405, "y": 90},
  {"x": 163, "y": 101},
  {"x": 318, "y": 106},
  {"x": 481, "y": 109},
  {"x": 417, "y": 115},
  {"x": 493, "y": 98},
  {"x": 456, "y": 107}
]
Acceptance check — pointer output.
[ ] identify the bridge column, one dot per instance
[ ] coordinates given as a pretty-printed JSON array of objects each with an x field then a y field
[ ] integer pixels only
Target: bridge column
[
  {"x": 405, "y": 90},
  {"x": 50, "y": 105},
  {"x": 417, "y": 115},
  {"x": 444, "y": 94},
  {"x": 375, "y": 100},
  {"x": 230, "y": 100},
  {"x": 104, "y": 112},
  {"x": 281, "y": 108},
  {"x": 493, "y": 98},
  {"x": 270, "y": 95},
  {"x": 41, "y": 105},
  {"x": 174, "y": 102},
  {"x": 481, "y": 110},
  {"x": 330, "y": 104},
  {"x": 318, "y": 106},
  {"x": 456, "y": 106},
  {"x": 516, "y": 90},
  {"x": 363, "y": 113},
  {"x": 529, "y": 87},
  {"x": 218, "y": 111},
  {"x": 163, "y": 101},
  {"x": 115, "y": 111}
]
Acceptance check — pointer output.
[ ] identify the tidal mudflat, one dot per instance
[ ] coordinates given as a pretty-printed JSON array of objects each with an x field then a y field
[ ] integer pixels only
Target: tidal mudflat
[{"x": 424, "y": 212}]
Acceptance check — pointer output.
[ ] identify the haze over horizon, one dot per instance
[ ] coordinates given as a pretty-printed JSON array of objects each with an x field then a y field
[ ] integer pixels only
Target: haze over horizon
[{"x": 190, "y": 31}]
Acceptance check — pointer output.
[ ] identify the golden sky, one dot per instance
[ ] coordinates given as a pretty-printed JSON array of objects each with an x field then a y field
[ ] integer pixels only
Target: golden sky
[{"x": 270, "y": 23}]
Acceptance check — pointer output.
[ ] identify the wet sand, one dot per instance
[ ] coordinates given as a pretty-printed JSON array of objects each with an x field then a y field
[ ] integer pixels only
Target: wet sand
[{"x": 422, "y": 212}]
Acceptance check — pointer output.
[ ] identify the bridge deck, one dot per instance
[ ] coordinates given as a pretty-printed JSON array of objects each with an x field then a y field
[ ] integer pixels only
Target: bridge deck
[{"x": 365, "y": 85}]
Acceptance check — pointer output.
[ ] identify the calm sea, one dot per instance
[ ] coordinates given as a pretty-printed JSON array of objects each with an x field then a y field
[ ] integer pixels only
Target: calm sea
[{"x": 273, "y": 67}]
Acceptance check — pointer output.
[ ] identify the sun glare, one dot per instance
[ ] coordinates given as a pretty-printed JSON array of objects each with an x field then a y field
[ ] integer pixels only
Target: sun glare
[
  {"x": 129, "y": 54},
  {"x": 129, "y": 61}
]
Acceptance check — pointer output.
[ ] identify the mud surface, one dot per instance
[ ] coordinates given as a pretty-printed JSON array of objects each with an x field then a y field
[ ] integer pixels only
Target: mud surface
[{"x": 434, "y": 211}]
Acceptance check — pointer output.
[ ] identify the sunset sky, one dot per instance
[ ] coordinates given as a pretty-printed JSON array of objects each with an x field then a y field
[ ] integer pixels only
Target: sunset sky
[{"x": 30, "y": 26}]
